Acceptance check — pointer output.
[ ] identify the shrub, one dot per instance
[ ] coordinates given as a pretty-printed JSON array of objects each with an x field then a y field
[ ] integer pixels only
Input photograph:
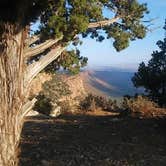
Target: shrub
[
  {"x": 140, "y": 106},
  {"x": 92, "y": 102},
  {"x": 43, "y": 104},
  {"x": 55, "y": 88},
  {"x": 52, "y": 91},
  {"x": 68, "y": 106},
  {"x": 87, "y": 103},
  {"x": 65, "y": 106}
]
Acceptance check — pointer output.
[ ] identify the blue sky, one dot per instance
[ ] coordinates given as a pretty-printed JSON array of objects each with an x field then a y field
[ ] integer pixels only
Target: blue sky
[{"x": 103, "y": 54}]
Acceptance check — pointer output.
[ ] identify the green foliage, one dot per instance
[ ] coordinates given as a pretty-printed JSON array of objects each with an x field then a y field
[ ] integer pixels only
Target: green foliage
[
  {"x": 55, "y": 88},
  {"x": 92, "y": 102},
  {"x": 51, "y": 92},
  {"x": 43, "y": 104},
  {"x": 70, "y": 61},
  {"x": 153, "y": 75},
  {"x": 68, "y": 18},
  {"x": 131, "y": 26}
]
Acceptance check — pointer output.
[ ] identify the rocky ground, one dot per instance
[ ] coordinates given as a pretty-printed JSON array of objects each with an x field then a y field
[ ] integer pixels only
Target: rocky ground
[{"x": 93, "y": 140}]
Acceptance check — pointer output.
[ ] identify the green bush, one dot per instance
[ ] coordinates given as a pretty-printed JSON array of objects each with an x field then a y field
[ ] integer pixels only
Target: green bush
[
  {"x": 55, "y": 88},
  {"x": 52, "y": 91},
  {"x": 43, "y": 104}
]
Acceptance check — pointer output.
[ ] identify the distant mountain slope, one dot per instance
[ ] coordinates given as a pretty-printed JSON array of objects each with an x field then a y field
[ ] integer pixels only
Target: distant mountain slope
[
  {"x": 102, "y": 82},
  {"x": 114, "y": 83}
]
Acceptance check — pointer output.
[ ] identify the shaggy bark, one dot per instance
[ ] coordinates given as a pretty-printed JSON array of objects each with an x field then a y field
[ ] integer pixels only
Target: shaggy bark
[
  {"x": 41, "y": 47},
  {"x": 32, "y": 39},
  {"x": 14, "y": 91},
  {"x": 11, "y": 92},
  {"x": 33, "y": 69}
]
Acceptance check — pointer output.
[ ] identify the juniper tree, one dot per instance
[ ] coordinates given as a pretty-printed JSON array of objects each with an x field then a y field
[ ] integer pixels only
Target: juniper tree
[
  {"x": 153, "y": 75},
  {"x": 60, "y": 23}
]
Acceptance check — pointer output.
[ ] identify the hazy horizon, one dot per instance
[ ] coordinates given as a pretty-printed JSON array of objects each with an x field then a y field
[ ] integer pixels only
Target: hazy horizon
[{"x": 122, "y": 67}]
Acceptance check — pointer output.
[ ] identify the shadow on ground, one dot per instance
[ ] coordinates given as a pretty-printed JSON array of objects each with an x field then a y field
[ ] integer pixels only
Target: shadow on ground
[{"x": 93, "y": 141}]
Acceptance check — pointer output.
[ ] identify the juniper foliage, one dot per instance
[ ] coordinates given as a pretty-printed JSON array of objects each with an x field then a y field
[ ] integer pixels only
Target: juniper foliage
[{"x": 153, "y": 75}]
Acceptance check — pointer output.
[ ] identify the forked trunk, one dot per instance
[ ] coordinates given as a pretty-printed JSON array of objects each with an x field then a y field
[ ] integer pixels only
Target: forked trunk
[{"x": 12, "y": 95}]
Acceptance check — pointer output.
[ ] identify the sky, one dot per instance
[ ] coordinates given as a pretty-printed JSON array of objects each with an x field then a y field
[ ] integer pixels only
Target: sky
[{"x": 103, "y": 54}]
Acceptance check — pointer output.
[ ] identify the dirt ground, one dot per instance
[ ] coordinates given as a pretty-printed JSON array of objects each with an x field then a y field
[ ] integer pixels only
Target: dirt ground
[{"x": 87, "y": 140}]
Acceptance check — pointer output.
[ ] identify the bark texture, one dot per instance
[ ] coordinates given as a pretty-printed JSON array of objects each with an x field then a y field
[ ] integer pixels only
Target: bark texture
[
  {"x": 15, "y": 81},
  {"x": 11, "y": 92}
]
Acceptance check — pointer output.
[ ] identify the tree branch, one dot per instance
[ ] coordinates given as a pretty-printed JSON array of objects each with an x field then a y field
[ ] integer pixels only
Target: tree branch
[
  {"x": 27, "y": 107},
  {"x": 30, "y": 52},
  {"x": 48, "y": 43},
  {"x": 32, "y": 39},
  {"x": 103, "y": 23},
  {"x": 36, "y": 67}
]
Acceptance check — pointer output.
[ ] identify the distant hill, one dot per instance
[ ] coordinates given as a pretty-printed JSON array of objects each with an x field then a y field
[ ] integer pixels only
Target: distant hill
[
  {"x": 109, "y": 82},
  {"x": 103, "y": 81}
]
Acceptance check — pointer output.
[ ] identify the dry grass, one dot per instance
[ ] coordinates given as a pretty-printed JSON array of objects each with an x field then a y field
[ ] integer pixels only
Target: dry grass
[{"x": 142, "y": 106}]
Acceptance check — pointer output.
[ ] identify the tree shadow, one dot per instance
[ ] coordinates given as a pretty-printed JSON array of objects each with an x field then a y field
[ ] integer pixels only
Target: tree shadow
[{"x": 82, "y": 140}]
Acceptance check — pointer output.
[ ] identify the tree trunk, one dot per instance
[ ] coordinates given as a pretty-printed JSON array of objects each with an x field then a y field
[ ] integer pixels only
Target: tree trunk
[{"x": 12, "y": 96}]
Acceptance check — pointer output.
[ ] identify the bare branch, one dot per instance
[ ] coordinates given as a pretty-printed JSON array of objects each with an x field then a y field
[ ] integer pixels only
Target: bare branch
[
  {"x": 32, "y": 39},
  {"x": 103, "y": 23},
  {"x": 27, "y": 107},
  {"x": 30, "y": 52},
  {"x": 150, "y": 20},
  {"x": 36, "y": 67}
]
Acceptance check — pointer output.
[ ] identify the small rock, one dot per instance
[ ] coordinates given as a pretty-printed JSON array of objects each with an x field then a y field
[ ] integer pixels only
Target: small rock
[
  {"x": 56, "y": 112},
  {"x": 32, "y": 113}
]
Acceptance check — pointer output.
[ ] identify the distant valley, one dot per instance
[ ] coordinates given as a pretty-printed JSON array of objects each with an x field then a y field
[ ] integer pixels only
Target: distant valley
[{"x": 109, "y": 82}]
